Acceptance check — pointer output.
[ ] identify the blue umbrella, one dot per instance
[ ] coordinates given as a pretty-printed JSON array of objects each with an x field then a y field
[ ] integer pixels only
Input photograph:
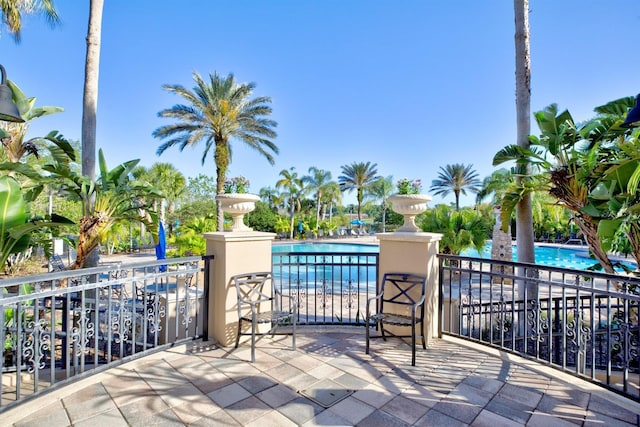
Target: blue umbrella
[
  {"x": 357, "y": 222},
  {"x": 161, "y": 247}
]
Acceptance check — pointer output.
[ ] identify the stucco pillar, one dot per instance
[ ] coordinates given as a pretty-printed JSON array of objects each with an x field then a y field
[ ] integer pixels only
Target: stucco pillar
[
  {"x": 407, "y": 252},
  {"x": 234, "y": 253}
]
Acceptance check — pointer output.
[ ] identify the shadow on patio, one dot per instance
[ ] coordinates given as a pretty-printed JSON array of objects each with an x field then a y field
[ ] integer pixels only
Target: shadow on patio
[{"x": 453, "y": 383}]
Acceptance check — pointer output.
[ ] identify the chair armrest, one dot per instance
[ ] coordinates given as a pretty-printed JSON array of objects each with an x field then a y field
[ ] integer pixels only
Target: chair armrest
[{"x": 372, "y": 299}]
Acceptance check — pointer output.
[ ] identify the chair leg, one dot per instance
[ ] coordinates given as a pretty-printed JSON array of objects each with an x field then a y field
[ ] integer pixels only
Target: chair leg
[
  {"x": 367, "y": 326},
  {"x": 293, "y": 338},
  {"x": 239, "y": 331},
  {"x": 254, "y": 326},
  {"x": 413, "y": 344},
  {"x": 381, "y": 327}
]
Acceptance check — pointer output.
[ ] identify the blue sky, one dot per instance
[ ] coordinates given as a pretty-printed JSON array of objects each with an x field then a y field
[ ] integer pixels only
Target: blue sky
[{"x": 411, "y": 85}]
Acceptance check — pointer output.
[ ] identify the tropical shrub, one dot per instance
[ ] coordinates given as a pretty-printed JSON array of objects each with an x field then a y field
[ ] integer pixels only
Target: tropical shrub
[
  {"x": 188, "y": 240},
  {"x": 460, "y": 230},
  {"x": 262, "y": 218}
]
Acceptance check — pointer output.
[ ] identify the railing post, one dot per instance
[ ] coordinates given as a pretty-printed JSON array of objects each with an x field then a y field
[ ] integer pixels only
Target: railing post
[
  {"x": 208, "y": 259},
  {"x": 235, "y": 252}
]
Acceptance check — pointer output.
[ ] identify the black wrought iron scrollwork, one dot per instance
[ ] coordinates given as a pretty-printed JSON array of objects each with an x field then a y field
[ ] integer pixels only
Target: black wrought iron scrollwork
[
  {"x": 120, "y": 323},
  {"x": 301, "y": 295},
  {"x": 88, "y": 327},
  {"x": 323, "y": 294},
  {"x": 624, "y": 345},
  {"x": 350, "y": 296},
  {"x": 36, "y": 346},
  {"x": 471, "y": 310},
  {"x": 155, "y": 313},
  {"x": 502, "y": 320},
  {"x": 578, "y": 334},
  {"x": 538, "y": 323},
  {"x": 184, "y": 311}
]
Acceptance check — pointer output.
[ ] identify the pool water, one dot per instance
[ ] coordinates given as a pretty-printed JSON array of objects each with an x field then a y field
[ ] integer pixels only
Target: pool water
[
  {"x": 324, "y": 247},
  {"x": 336, "y": 271},
  {"x": 552, "y": 256}
]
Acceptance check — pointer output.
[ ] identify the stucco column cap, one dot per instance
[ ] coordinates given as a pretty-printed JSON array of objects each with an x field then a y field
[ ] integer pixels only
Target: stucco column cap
[
  {"x": 238, "y": 236},
  {"x": 405, "y": 236}
]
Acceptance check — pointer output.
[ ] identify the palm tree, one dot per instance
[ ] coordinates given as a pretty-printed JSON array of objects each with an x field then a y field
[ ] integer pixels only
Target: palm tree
[
  {"x": 12, "y": 11},
  {"x": 90, "y": 94},
  {"x": 292, "y": 186},
  {"x": 169, "y": 181},
  {"x": 357, "y": 176},
  {"x": 524, "y": 217},
  {"x": 458, "y": 179},
  {"x": 331, "y": 196},
  {"x": 381, "y": 189},
  {"x": 217, "y": 112},
  {"x": 90, "y": 101},
  {"x": 567, "y": 172},
  {"x": 105, "y": 201},
  {"x": 318, "y": 180},
  {"x": 495, "y": 184}
]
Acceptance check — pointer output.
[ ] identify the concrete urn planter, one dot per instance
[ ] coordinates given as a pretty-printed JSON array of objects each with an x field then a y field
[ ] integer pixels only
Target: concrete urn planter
[
  {"x": 409, "y": 205},
  {"x": 238, "y": 205}
]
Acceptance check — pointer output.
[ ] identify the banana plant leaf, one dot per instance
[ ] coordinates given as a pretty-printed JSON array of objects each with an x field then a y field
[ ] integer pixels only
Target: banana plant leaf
[{"x": 15, "y": 227}]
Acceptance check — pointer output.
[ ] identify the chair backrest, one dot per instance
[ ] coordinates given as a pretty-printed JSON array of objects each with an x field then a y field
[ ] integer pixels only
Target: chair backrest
[
  {"x": 403, "y": 290},
  {"x": 253, "y": 288},
  {"x": 56, "y": 263}
]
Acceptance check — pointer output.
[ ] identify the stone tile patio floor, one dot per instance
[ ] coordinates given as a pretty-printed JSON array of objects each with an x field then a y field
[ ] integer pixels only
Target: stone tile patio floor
[{"x": 454, "y": 383}]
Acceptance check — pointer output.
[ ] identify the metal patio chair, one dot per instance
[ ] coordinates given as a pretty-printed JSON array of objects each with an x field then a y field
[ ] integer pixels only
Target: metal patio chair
[
  {"x": 256, "y": 306},
  {"x": 400, "y": 303}
]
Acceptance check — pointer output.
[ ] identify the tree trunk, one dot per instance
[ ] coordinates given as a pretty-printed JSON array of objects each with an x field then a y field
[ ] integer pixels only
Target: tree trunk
[
  {"x": 524, "y": 217},
  {"x": 90, "y": 101},
  {"x": 634, "y": 239},
  {"x": 89, "y": 110},
  {"x": 589, "y": 230},
  {"x": 318, "y": 209},
  {"x": 221, "y": 157},
  {"x": 291, "y": 215}
]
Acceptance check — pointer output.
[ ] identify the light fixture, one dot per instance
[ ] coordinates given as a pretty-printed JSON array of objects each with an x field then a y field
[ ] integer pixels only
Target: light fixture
[
  {"x": 633, "y": 118},
  {"x": 8, "y": 109}
]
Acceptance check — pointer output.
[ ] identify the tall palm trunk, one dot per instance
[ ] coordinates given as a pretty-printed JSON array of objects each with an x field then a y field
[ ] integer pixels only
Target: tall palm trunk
[
  {"x": 524, "y": 217},
  {"x": 291, "y": 217},
  {"x": 90, "y": 103},
  {"x": 89, "y": 110},
  {"x": 221, "y": 157}
]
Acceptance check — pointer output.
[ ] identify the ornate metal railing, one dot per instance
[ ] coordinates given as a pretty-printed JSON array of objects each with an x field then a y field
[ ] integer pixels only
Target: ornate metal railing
[
  {"x": 57, "y": 326},
  {"x": 329, "y": 287},
  {"x": 581, "y": 322}
]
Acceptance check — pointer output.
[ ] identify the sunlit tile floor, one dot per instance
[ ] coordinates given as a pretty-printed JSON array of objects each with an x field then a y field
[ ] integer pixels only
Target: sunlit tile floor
[{"x": 454, "y": 383}]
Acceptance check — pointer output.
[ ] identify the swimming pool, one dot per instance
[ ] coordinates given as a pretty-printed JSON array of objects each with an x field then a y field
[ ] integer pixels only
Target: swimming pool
[
  {"x": 332, "y": 266},
  {"x": 324, "y": 247},
  {"x": 552, "y": 256}
]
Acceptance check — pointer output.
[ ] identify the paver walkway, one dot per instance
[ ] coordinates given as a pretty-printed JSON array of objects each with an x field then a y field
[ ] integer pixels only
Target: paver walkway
[{"x": 454, "y": 384}]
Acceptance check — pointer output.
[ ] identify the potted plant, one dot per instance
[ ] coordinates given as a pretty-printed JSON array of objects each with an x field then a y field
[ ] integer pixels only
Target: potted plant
[
  {"x": 237, "y": 202},
  {"x": 408, "y": 202}
]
